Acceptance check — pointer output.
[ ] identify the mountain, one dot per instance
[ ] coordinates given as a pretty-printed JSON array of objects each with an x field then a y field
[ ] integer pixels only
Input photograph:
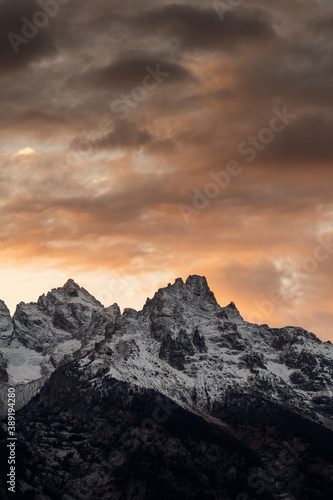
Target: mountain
[
  {"x": 67, "y": 322},
  {"x": 183, "y": 399}
]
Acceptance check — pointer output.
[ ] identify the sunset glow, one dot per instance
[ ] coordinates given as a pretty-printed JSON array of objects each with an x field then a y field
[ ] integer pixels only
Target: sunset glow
[
  {"x": 170, "y": 140},
  {"x": 25, "y": 151}
]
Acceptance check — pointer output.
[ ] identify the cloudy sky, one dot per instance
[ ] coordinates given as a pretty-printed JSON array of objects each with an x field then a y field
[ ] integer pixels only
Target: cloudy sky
[{"x": 145, "y": 140}]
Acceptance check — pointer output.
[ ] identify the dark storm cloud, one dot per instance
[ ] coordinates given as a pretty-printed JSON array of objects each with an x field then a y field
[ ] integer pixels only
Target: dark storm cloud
[
  {"x": 15, "y": 53},
  {"x": 197, "y": 28},
  {"x": 322, "y": 26},
  {"x": 35, "y": 118},
  {"x": 308, "y": 140},
  {"x": 127, "y": 72},
  {"x": 298, "y": 67},
  {"x": 124, "y": 135}
]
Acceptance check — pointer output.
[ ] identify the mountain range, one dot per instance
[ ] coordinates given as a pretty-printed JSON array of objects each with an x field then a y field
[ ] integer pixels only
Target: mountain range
[{"x": 183, "y": 399}]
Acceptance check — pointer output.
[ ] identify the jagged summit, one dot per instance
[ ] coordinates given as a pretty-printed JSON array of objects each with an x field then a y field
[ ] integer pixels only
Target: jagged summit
[
  {"x": 4, "y": 316},
  {"x": 193, "y": 293},
  {"x": 232, "y": 312},
  {"x": 197, "y": 280},
  {"x": 198, "y": 285},
  {"x": 41, "y": 334},
  {"x": 70, "y": 283},
  {"x": 72, "y": 292}
]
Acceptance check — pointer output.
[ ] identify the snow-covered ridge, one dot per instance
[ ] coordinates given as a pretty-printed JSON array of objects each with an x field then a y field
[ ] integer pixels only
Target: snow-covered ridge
[
  {"x": 182, "y": 343},
  {"x": 41, "y": 335}
]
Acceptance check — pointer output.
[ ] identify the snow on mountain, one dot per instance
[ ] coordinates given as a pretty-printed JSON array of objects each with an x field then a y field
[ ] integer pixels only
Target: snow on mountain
[
  {"x": 182, "y": 344},
  {"x": 42, "y": 335},
  {"x": 62, "y": 315}
]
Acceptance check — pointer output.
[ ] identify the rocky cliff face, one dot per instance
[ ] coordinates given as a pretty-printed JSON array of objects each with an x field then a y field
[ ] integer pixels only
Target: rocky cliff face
[
  {"x": 64, "y": 314},
  {"x": 62, "y": 325},
  {"x": 233, "y": 377},
  {"x": 6, "y": 326},
  {"x": 95, "y": 437}
]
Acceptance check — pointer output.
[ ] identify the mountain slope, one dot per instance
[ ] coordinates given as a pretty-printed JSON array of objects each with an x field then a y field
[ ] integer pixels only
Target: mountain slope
[
  {"x": 68, "y": 321},
  {"x": 84, "y": 437}
]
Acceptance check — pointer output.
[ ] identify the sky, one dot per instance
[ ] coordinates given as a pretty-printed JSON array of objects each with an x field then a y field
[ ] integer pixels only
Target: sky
[{"x": 143, "y": 141}]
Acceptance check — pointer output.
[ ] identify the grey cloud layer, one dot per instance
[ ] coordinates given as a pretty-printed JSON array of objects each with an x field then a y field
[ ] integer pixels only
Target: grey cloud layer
[
  {"x": 202, "y": 28},
  {"x": 13, "y": 17}
]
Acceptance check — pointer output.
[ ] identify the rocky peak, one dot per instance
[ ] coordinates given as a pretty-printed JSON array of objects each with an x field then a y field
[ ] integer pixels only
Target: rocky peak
[
  {"x": 70, "y": 283},
  {"x": 173, "y": 315},
  {"x": 231, "y": 313},
  {"x": 5, "y": 324},
  {"x": 197, "y": 282},
  {"x": 113, "y": 311},
  {"x": 198, "y": 287},
  {"x": 72, "y": 292},
  {"x": 67, "y": 316},
  {"x": 71, "y": 288},
  {"x": 194, "y": 293},
  {"x": 3, "y": 369},
  {"x": 68, "y": 295},
  {"x": 4, "y": 315}
]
